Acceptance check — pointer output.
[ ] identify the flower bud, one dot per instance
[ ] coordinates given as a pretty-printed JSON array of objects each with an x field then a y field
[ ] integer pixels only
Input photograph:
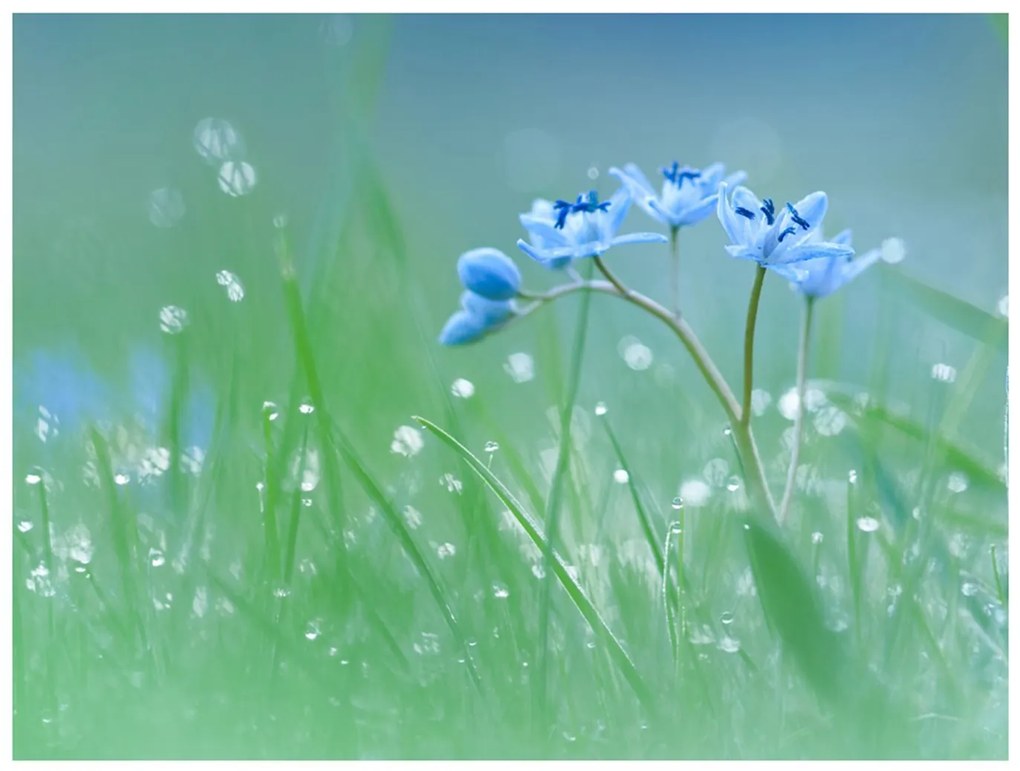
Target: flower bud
[{"x": 489, "y": 273}]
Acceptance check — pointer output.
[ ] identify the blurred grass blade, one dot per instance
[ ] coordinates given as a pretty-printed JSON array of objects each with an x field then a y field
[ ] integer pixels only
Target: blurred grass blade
[
  {"x": 952, "y": 311},
  {"x": 960, "y": 457},
  {"x": 647, "y": 527},
  {"x": 793, "y": 611},
  {"x": 574, "y": 591}
]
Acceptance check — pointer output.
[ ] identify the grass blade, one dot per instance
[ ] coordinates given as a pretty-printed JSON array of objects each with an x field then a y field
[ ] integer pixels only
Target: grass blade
[{"x": 577, "y": 595}]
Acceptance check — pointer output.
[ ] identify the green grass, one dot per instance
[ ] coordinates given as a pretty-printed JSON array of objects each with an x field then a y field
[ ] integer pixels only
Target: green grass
[{"x": 519, "y": 601}]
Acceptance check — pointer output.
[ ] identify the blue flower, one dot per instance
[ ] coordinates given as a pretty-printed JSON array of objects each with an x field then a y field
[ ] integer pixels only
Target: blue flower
[
  {"x": 758, "y": 232},
  {"x": 64, "y": 385},
  {"x": 822, "y": 276},
  {"x": 688, "y": 195},
  {"x": 489, "y": 273},
  {"x": 564, "y": 231},
  {"x": 478, "y": 314}
]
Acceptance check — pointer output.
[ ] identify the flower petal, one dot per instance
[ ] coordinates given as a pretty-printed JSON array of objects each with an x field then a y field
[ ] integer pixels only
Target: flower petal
[
  {"x": 698, "y": 211},
  {"x": 490, "y": 273},
  {"x": 609, "y": 221},
  {"x": 634, "y": 179},
  {"x": 812, "y": 208},
  {"x": 462, "y": 328},
  {"x": 639, "y": 238},
  {"x": 556, "y": 257},
  {"x": 844, "y": 238},
  {"x": 742, "y": 252},
  {"x": 812, "y": 251},
  {"x": 490, "y": 312}
]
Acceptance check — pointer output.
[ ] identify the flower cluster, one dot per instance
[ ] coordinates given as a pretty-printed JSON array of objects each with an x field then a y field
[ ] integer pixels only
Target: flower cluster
[{"x": 787, "y": 239}]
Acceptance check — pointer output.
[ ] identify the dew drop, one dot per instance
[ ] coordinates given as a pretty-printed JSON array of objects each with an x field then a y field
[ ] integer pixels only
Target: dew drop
[
  {"x": 121, "y": 479},
  {"x": 867, "y": 524},
  {"x": 695, "y": 492},
  {"x": 236, "y": 178},
  {"x": 817, "y": 537},
  {"x": 733, "y": 484},
  {"x": 636, "y": 354},
  {"x": 852, "y": 476},
  {"x": 216, "y": 140},
  {"x": 969, "y": 589},
  {"x": 500, "y": 592},
  {"x": 760, "y": 401},
  {"x": 172, "y": 319},
  {"x": 593, "y": 172},
  {"x": 462, "y": 389},
  {"x": 407, "y": 441},
  {"x": 957, "y": 482},
  {"x": 620, "y": 476},
  {"x": 601, "y": 409},
  {"x": 33, "y": 478},
  {"x": 306, "y": 409},
  {"x": 726, "y": 617},
  {"x": 678, "y": 503},
  {"x": 232, "y": 284},
  {"x": 789, "y": 404},
  {"x": 270, "y": 410},
  {"x": 445, "y": 550},
  {"x": 728, "y": 645},
  {"x": 520, "y": 367},
  {"x": 944, "y": 373},
  {"x": 313, "y": 630},
  {"x": 24, "y": 526},
  {"x": 451, "y": 483},
  {"x": 412, "y": 517},
  {"x": 491, "y": 447},
  {"x": 156, "y": 558},
  {"x": 893, "y": 250}
]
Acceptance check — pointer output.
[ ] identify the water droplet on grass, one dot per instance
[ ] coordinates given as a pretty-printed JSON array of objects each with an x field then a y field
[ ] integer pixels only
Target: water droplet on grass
[
  {"x": 817, "y": 538},
  {"x": 520, "y": 367},
  {"x": 852, "y": 476},
  {"x": 733, "y": 484},
  {"x": 270, "y": 410},
  {"x": 943, "y": 372},
  {"x": 789, "y": 404},
  {"x": 445, "y": 550},
  {"x": 969, "y": 589},
  {"x": 451, "y": 483},
  {"x": 33, "y": 478},
  {"x": 313, "y": 630},
  {"x": 726, "y": 617},
  {"x": 867, "y": 524},
  {"x": 216, "y": 140},
  {"x": 24, "y": 526},
  {"x": 957, "y": 482},
  {"x": 620, "y": 476},
  {"x": 407, "y": 441},
  {"x": 500, "y": 592},
  {"x": 601, "y": 409},
  {"x": 462, "y": 389},
  {"x": 236, "y": 178},
  {"x": 232, "y": 284},
  {"x": 156, "y": 558},
  {"x": 172, "y": 319},
  {"x": 728, "y": 644},
  {"x": 760, "y": 401},
  {"x": 893, "y": 250},
  {"x": 121, "y": 479},
  {"x": 695, "y": 492},
  {"x": 491, "y": 447},
  {"x": 306, "y": 408},
  {"x": 678, "y": 503},
  {"x": 636, "y": 354}
]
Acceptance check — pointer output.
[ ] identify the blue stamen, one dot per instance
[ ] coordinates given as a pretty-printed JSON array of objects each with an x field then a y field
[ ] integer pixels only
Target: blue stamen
[
  {"x": 797, "y": 218},
  {"x": 744, "y": 212},
  {"x": 676, "y": 175},
  {"x": 787, "y": 232},
  {"x": 769, "y": 210},
  {"x": 585, "y": 203}
]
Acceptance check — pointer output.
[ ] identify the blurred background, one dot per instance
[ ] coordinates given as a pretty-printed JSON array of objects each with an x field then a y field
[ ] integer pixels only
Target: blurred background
[{"x": 153, "y": 154}]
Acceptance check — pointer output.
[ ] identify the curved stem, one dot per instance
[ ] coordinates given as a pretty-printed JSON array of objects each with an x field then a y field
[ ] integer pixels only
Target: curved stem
[
  {"x": 674, "y": 268},
  {"x": 682, "y": 330},
  {"x": 798, "y": 426},
  {"x": 746, "y": 446},
  {"x": 752, "y": 317}
]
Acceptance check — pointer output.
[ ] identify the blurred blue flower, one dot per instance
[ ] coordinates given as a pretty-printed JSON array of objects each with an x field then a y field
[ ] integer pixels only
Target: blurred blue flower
[
  {"x": 758, "y": 232},
  {"x": 477, "y": 317},
  {"x": 564, "y": 231},
  {"x": 688, "y": 194},
  {"x": 822, "y": 276},
  {"x": 64, "y": 385},
  {"x": 489, "y": 273}
]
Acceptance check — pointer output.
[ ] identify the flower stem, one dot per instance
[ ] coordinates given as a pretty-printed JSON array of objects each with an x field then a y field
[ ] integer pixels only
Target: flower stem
[
  {"x": 752, "y": 317},
  {"x": 682, "y": 330},
  {"x": 674, "y": 267},
  {"x": 746, "y": 446},
  {"x": 798, "y": 426}
]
